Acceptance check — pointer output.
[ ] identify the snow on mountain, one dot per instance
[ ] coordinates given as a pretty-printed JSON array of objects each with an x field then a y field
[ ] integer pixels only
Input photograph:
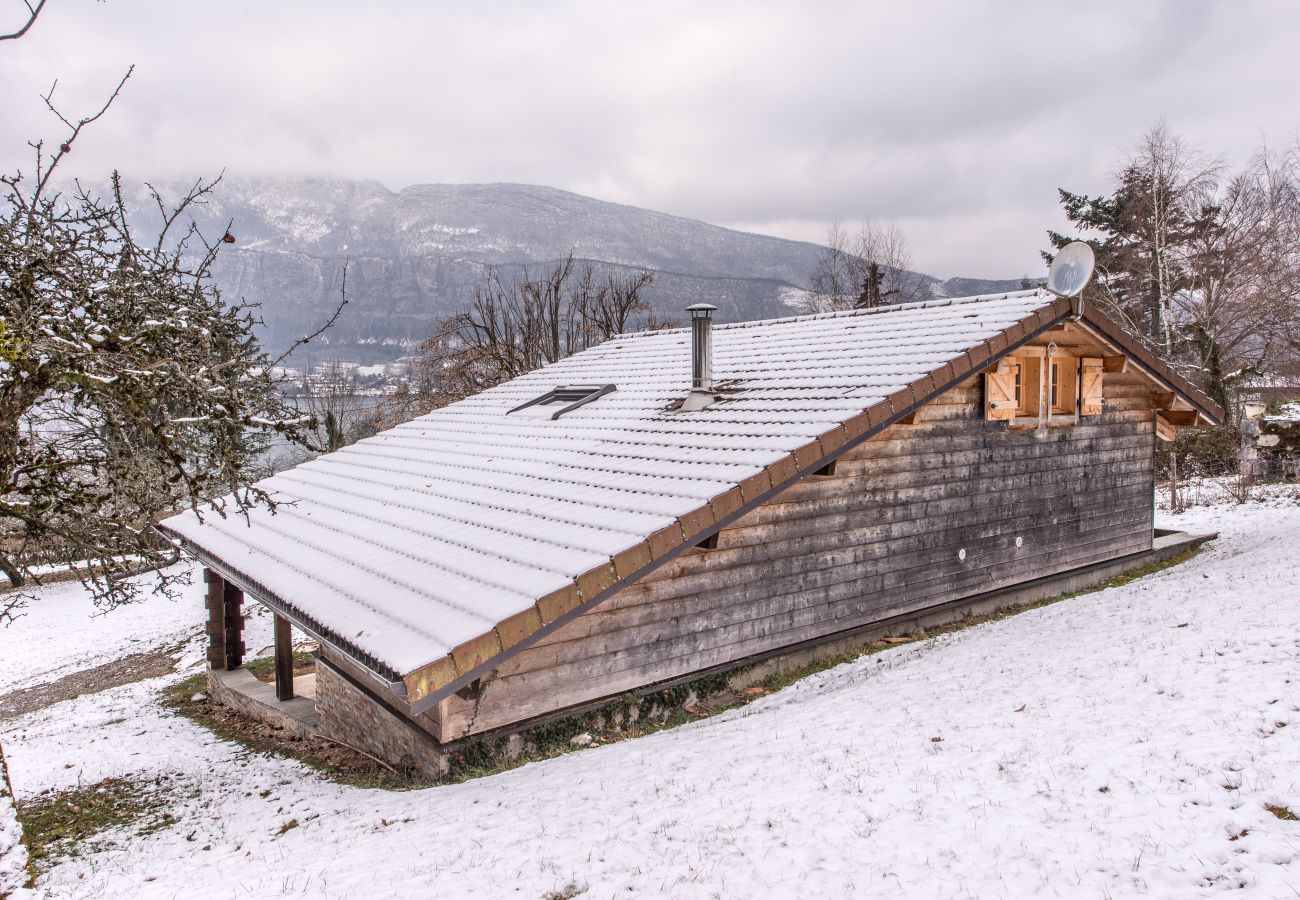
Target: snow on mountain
[{"x": 419, "y": 253}]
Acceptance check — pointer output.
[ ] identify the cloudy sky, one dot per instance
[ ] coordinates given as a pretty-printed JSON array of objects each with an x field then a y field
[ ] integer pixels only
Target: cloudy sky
[{"x": 959, "y": 120}]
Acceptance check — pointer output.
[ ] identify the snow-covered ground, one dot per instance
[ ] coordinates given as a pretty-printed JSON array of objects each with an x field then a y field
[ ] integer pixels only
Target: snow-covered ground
[
  {"x": 1122, "y": 743},
  {"x": 64, "y": 632}
]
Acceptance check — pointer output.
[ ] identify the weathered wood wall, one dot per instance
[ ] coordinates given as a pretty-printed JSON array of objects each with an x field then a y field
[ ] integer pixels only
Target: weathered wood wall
[{"x": 881, "y": 536}]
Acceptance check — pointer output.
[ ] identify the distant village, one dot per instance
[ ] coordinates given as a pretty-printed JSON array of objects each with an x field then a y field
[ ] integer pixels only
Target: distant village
[{"x": 333, "y": 377}]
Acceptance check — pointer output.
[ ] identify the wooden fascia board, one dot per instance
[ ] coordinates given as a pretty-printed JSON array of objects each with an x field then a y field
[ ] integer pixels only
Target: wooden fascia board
[
  {"x": 896, "y": 407},
  {"x": 383, "y": 679},
  {"x": 1107, "y": 330}
]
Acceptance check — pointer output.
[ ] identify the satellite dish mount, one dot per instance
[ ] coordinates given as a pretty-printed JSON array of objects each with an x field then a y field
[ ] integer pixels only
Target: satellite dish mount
[{"x": 1070, "y": 272}]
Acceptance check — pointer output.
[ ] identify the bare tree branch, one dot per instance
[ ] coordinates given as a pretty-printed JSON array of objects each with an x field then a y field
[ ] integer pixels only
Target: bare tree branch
[
  {"x": 32, "y": 13},
  {"x": 128, "y": 389},
  {"x": 513, "y": 328},
  {"x": 43, "y": 177},
  {"x": 338, "y": 311},
  {"x": 863, "y": 269}
]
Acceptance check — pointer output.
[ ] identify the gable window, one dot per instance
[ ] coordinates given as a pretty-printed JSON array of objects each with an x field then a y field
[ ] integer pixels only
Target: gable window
[
  {"x": 1064, "y": 386},
  {"x": 560, "y": 400},
  {"x": 1043, "y": 385},
  {"x": 1027, "y": 393}
]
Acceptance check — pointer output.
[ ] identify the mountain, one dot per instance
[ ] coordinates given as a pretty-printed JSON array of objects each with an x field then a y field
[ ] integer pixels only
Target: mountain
[{"x": 419, "y": 253}]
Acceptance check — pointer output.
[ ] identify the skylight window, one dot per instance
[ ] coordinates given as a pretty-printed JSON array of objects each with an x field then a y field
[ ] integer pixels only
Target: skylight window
[{"x": 564, "y": 399}]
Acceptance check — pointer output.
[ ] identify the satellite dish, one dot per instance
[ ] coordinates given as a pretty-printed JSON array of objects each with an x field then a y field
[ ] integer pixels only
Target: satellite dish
[{"x": 1071, "y": 269}]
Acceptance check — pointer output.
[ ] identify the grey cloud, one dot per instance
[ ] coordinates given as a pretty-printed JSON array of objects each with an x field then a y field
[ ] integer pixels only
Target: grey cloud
[{"x": 958, "y": 119}]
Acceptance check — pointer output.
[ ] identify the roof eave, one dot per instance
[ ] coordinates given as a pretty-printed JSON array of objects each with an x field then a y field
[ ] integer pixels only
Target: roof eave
[
  {"x": 1111, "y": 332},
  {"x": 381, "y": 677}
]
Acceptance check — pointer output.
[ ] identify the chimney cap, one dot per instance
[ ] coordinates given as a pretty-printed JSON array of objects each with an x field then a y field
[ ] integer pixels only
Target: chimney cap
[{"x": 701, "y": 310}]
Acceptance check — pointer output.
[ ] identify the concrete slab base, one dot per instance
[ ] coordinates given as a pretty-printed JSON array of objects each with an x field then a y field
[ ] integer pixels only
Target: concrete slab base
[{"x": 241, "y": 690}]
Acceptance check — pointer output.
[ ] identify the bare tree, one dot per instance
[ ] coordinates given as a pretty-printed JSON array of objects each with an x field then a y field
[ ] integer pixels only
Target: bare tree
[
  {"x": 1238, "y": 312},
  {"x": 832, "y": 281},
  {"x": 612, "y": 307},
  {"x": 515, "y": 327},
  {"x": 129, "y": 388},
  {"x": 863, "y": 269},
  {"x": 1279, "y": 174},
  {"x": 1172, "y": 183},
  {"x": 340, "y": 412}
]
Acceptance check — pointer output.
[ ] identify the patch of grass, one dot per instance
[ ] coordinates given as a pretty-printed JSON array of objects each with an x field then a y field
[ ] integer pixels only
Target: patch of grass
[
  {"x": 67, "y": 823},
  {"x": 629, "y": 716},
  {"x": 330, "y": 760},
  {"x": 1282, "y": 812},
  {"x": 1117, "y": 581},
  {"x": 568, "y": 892},
  {"x": 263, "y": 668}
]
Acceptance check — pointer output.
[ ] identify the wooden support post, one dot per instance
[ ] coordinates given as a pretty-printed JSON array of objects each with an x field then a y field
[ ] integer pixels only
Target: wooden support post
[
  {"x": 233, "y": 600},
  {"x": 1173, "y": 478},
  {"x": 215, "y": 604},
  {"x": 283, "y": 659}
]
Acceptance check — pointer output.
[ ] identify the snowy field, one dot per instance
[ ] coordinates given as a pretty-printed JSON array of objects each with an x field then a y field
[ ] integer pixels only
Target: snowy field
[{"x": 1124, "y": 743}]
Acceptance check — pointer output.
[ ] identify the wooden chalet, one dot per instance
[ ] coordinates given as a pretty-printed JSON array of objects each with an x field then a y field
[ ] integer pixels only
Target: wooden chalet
[{"x": 688, "y": 501}]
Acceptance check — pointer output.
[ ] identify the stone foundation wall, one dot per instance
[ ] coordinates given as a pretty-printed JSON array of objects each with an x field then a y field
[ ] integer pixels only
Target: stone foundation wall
[{"x": 348, "y": 715}]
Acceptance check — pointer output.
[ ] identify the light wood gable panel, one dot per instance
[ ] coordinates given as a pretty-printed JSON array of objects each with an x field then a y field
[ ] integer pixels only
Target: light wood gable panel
[
  {"x": 1057, "y": 375},
  {"x": 878, "y": 538}
]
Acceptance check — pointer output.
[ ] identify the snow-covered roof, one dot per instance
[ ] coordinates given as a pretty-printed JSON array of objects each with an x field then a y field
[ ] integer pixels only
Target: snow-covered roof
[{"x": 437, "y": 544}]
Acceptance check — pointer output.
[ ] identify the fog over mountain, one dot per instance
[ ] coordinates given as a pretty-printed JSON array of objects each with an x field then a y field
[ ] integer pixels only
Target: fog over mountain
[{"x": 418, "y": 254}]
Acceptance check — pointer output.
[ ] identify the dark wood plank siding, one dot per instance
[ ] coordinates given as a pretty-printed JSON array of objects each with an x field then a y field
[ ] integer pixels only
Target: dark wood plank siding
[{"x": 881, "y": 536}]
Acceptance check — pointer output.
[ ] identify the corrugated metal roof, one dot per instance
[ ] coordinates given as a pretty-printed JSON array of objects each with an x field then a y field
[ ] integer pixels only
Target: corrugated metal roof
[{"x": 406, "y": 546}]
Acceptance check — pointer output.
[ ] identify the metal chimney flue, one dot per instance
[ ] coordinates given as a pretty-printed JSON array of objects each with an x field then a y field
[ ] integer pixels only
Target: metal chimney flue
[
  {"x": 701, "y": 394},
  {"x": 701, "y": 346}
]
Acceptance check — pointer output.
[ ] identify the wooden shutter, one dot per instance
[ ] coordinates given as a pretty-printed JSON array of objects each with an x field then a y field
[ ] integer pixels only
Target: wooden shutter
[
  {"x": 1000, "y": 392},
  {"x": 1090, "y": 387},
  {"x": 1067, "y": 388}
]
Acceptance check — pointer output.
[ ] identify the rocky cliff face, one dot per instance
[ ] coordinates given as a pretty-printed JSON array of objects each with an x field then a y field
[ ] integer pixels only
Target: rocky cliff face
[{"x": 419, "y": 253}]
